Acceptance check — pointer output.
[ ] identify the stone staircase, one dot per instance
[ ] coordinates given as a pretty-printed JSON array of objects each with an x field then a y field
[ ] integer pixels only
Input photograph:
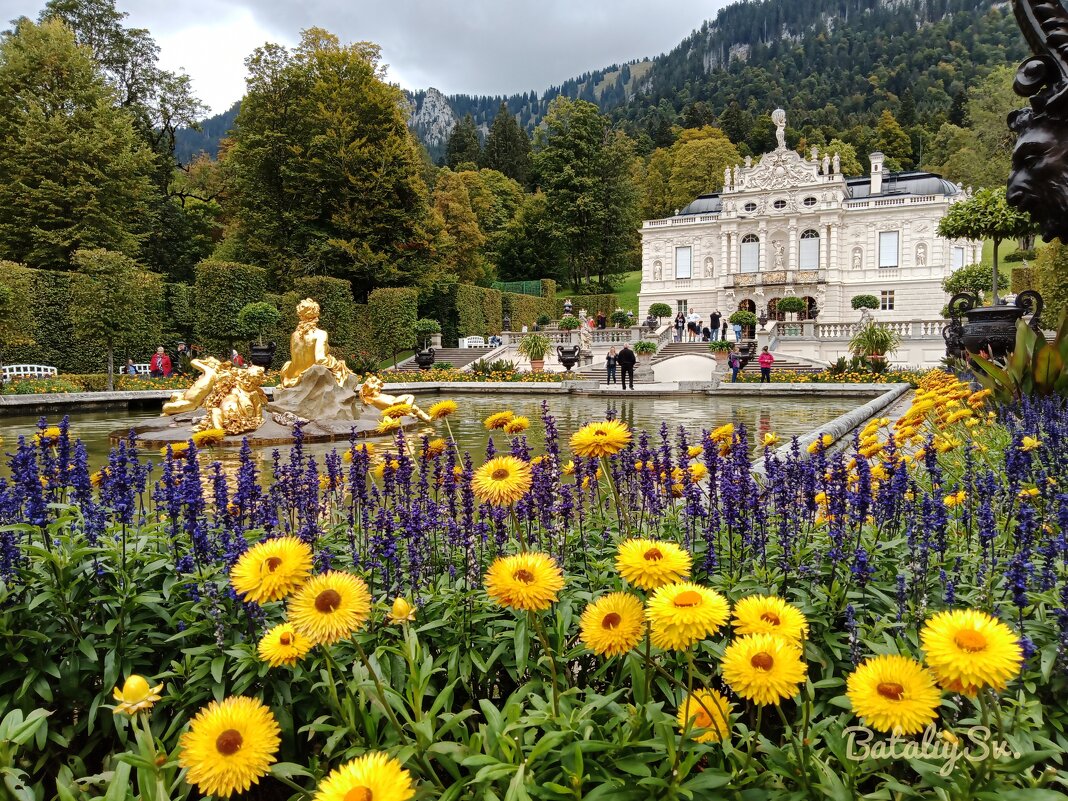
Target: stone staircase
[{"x": 457, "y": 357}]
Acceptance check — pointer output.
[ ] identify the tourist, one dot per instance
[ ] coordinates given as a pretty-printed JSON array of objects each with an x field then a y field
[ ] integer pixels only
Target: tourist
[
  {"x": 602, "y": 321},
  {"x": 723, "y": 331},
  {"x": 567, "y": 306},
  {"x": 626, "y": 361},
  {"x": 693, "y": 322},
  {"x": 610, "y": 365},
  {"x": 766, "y": 360},
  {"x": 706, "y": 334},
  {"x": 737, "y": 332},
  {"x": 235, "y": 359},
  {"x": 131, "y": 368},
  {"x": 680, "y": 323},
  {"x": 734, "y": 361},
  {"x": 180, "y": 362},
  {"x": 160, "y": 364},
  {"x": 715, "y": 318}
]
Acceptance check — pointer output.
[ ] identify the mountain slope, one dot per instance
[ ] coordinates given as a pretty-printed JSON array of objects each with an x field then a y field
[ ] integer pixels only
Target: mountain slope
[{"x": 831, "y": 63}]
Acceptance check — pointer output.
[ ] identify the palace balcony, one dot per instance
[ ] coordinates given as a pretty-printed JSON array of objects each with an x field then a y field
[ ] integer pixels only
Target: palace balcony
[{"x": 779, "y": 278}]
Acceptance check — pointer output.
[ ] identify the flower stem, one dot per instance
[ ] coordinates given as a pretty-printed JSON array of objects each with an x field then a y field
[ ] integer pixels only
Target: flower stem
[{"x": 543, "y": 636}]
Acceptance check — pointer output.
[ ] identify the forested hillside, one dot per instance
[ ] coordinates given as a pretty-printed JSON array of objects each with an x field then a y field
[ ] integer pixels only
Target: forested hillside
[{"x": 834, "y": 64}]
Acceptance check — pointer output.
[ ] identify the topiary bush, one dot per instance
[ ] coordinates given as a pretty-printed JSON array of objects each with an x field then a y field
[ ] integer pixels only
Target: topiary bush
[
  {"x": 864, "y": 302},
  {"x": 790, "y": 304},
  {"x": 743, "y": 318},
  {"x": 660, "y": 310},
  {"x": 255, "y": 319},
  {"x": 425, "y": 328},
  {"x": 220, "y": 291},
  {"x": 392, "y": 317},
  {"x": 569, "y": 322},
  {"x": 620, "y": 318}
]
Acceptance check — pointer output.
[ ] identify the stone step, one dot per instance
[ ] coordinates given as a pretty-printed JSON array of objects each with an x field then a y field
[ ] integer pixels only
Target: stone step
[{"x": 457, "y": 357}]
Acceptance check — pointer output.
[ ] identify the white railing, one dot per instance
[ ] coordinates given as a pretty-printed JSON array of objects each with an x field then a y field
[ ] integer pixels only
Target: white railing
[
  {"x": 9, "y": 371},
  {"x": 836, "y": 330},
  {"x": 895, "y": 201},
  {"x": 906, "y": 329}
]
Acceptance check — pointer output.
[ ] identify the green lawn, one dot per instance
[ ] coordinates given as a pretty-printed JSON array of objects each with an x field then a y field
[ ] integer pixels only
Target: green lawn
[{"x": 627, "y": 292}]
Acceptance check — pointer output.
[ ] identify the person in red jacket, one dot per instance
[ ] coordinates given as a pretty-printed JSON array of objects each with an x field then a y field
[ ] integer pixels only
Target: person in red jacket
[
  {"x": 766, "y": 360},
  {"x": 160, "y": 365}
]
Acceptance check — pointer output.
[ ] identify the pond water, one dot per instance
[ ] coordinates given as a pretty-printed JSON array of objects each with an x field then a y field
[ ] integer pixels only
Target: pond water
[{"x": 786, "y": 416}]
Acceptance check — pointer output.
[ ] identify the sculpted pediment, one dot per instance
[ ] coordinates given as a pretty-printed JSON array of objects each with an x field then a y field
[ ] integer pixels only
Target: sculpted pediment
[{"x": 780, "y": 169}]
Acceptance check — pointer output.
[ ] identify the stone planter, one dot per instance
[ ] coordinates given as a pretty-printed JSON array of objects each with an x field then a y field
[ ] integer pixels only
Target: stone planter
[
  {"x": 435, "y": 341},
  {"x": 645, "y": 358},
  {"x": 261, "y": 355},
  {"x": 537, "y": 365}
]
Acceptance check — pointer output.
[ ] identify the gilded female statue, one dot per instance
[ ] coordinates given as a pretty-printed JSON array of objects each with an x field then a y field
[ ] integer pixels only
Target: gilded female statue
[
  {"x": 309, "y": 345},
  {"x": 192, "y": 398}
]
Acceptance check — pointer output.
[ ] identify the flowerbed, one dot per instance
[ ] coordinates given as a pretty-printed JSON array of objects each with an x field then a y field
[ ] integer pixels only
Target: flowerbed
[
  {"x": 891, "y": 376},
  {"x": 453, "y": 375},
  {"x": 422, "y": 623}
]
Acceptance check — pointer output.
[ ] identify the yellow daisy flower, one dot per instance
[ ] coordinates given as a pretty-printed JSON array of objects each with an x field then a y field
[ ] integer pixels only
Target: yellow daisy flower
[
  {"x": 517, "y": 425},
  {"x": 697, "y": 472},
  {"x": 397, "y": 410},
  {"x": 1030, "y": 444},
  {"x": 707, "y": 714},
  {"x": 769, "y": 614},
  {"x": 230, "y": 746},
  {"x": 694, "y": 451},
  {"x": 968, "y": 650},
  {"x": 272, "y": 569},
  {"x": 613, "y": 624},
  {"x": 525, "y": 582},
  {"x": 502, "y": 481},
  {"x": 681, "y": 614},
  {"x": 724, "y": 433},
  {"x": 135, "y": 695},
  {"x": 176, "y": 449},
  {"x": 361, "y": 447},
  {"x": 283, "y": 645},
  {"x": 387, "y": 425},
  {"x": 46, "y": 436},
  {"x": 209, "y": 436},
  {"x": 763, "y": 668},
  {"x": 442, "y": 409},
  {"x": 770, "y": 439},
  {"x": 401, "y": 611},
  {"x": 822, "y": 443},
  {"x": 330, "y": 607},
  {"x": 569, "y": 468},
  {"x": 435, "y": 447},
  {"x": 894, "y": 693},
  {"x": 956, "y": 499},
  {"x": 650, "y": 563},
  {"x": 498, "y": 420},
  {"x": 375, "y": 776},
  {"x": 601, "y": 439}
]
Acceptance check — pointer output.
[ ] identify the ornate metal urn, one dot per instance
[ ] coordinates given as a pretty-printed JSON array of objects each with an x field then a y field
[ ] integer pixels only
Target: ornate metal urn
[
  {"x": 261, "y": 355},
  {"x": 991, "y": 330},
  {"x": 424, "y": 358},
  {"x": 568, "y": 355}
]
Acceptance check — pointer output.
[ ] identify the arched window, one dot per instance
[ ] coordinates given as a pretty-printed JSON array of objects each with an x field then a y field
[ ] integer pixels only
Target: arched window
[
  {"x": 809, "y": 257},
  {"x": 750, "y": 253}
]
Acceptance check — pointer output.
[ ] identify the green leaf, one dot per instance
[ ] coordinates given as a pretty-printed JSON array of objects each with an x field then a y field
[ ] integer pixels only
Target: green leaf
[{"x": 1047, "y": 368}]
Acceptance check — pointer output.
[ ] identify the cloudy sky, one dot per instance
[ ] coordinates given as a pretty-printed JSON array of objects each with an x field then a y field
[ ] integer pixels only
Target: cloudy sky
[{"x": 473, "y": 47}]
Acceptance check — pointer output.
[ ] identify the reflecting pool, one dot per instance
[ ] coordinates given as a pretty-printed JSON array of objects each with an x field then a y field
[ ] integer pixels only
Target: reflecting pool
[{"x": 785, "y": 416}]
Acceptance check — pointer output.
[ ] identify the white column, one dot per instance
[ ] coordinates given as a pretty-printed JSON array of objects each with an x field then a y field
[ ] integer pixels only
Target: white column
[
  {"x": 792, "y": 247},
  {"x": 763, "y": 234}
]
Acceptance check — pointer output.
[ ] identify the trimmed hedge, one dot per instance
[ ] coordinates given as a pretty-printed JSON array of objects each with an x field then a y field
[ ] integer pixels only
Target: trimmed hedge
[
  {"x": 591, "y": 303},
  {"x": 391, "y": 314},
  {"x": 1023, "y": 278},
  {"x": 524, "y": 309},
  {"x": 221, "y": 290},
  {"x": 479, "y": 311},
  {"x": 548, "y": 291}
]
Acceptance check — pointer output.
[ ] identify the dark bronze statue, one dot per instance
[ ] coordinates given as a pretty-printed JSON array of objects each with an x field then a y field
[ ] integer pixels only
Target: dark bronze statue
[{"x": 1038, "y": 183}]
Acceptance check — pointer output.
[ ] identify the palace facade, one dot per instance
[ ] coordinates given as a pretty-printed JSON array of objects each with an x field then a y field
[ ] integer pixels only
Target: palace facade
[{"x": 790, "y": 225}]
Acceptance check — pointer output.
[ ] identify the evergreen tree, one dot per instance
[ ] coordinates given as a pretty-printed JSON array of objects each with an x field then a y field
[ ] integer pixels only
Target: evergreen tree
[
  {"x": 531, "y": 246},
  {"x": 73, "y": 172},
  {"x": 323, "y": 176},
  {"x": 461, "y": 246},
  {"x": 893, "y": 141},
  {"x": 958, "y": 112},
  {"x": 507, "y": 147},
  {"x": 736, "y": 123},
  {"x": 907, "y": 113},
  {"x": 463, "y": 147}
]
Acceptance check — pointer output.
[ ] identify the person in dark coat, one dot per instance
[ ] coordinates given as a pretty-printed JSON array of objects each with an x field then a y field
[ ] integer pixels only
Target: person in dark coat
[
  {"x": 680, "y": 324},
  {"x": 626, "y": 361},
  {"x": 715, "y": 318},
  {"x": 723, "y": 331}
]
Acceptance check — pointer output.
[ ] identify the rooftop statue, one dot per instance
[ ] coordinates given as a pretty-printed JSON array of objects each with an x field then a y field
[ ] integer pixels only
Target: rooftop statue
[
  {"x": 310, "y": 345},
  {"x": 1038, "y": 182}
]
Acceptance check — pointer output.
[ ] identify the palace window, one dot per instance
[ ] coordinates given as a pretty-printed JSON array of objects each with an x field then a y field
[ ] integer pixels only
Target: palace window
[
  {"x": 888, "y": 249},
  {"x": 809, "y": 256},
  {"x": 750, "y": 207},
  {"x": 886, "y": 300},
  {"x": 682, "y": 305},
  {"x": 957, "y": 258},
  {"x": 750, "y": 253},
  {"x": 809, "y": 202},
  {"x": 779, "y": 204},
  {"x": 683, "y": 263}
]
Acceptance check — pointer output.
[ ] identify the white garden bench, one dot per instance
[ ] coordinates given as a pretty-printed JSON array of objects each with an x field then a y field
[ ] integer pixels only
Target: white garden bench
[
  {"x": 142, "y": 368},
  {"x": 10, "y": 371},
  {"x": 473, "y": 342}
]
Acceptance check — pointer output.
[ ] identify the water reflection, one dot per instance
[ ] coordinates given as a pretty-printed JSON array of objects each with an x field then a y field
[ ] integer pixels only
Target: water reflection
[{"x": 760, "y": 415}]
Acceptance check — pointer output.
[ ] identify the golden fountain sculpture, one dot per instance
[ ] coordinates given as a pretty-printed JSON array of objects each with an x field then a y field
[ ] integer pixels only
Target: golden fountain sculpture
[
  {"x": 372, "y": 395},
  {"x": 232, "y": 397},
  {"x": 310, "y": 345}
]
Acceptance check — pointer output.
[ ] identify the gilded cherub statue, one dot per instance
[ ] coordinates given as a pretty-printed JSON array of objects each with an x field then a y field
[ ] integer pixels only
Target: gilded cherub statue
[
  {"x": 372, "y": 395},
  {"x": 193, "y": 397},
  {"x": 236, "y": 402},
  {"x": 309, "y": 345}
]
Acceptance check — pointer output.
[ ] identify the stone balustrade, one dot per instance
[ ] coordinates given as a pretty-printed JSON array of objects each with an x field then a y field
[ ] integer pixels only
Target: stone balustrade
[
  {"x": 600, "y": 337},
  {"x": 810, "y": 329}
]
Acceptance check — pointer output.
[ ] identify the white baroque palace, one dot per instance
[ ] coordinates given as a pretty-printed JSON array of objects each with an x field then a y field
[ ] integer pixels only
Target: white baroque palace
[{"x": 790, "y": 225}]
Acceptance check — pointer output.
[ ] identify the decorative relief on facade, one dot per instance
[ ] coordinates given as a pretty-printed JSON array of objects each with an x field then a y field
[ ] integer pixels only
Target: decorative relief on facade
[
  {"x": 745, "y": 279},
  {"x": 710, "y": 267},
  {"x": 921, "y": 255},
  {"x": 658, "y": 271},
  {"x": 858, "y": 258},
  {"x": 775, "y": 277},
  {"x": 808, "y": 276}
]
